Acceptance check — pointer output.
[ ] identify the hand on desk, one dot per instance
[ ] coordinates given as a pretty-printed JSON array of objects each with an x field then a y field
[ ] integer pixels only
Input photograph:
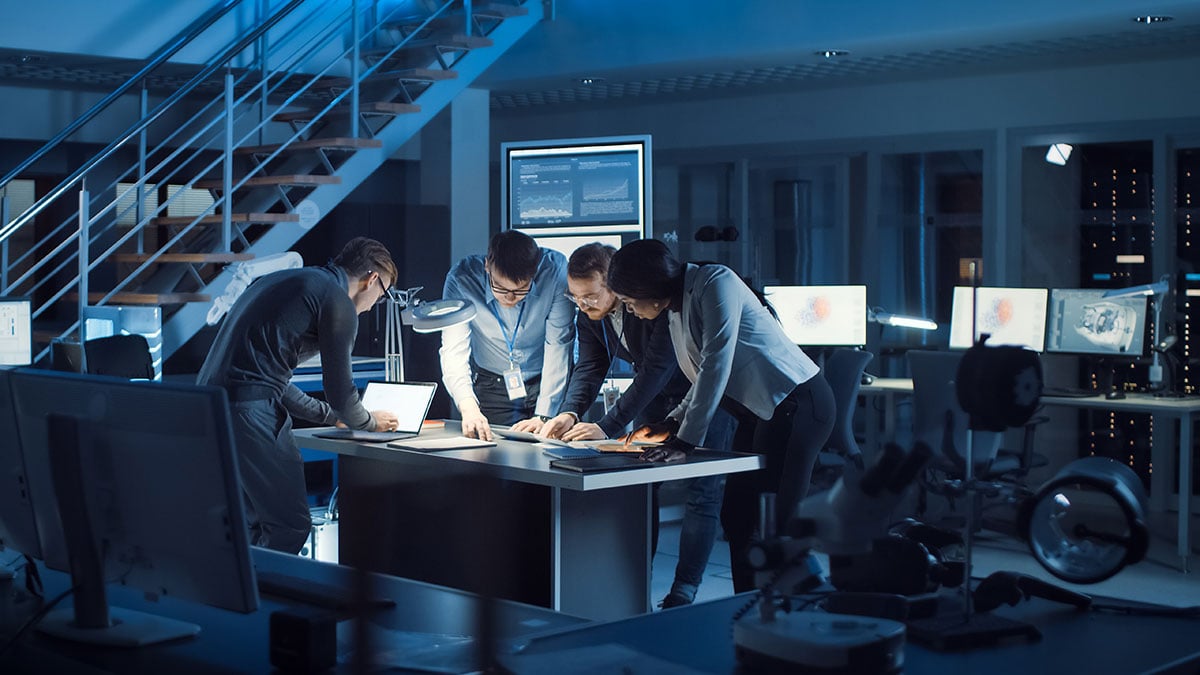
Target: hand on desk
[
  {"x": 533, "y": 425},
  {"x": 584, "y": 431},
  {"x": 558, "y": 425},
  {"x": 384, "y": 420},
  {"x": 673, "y": 450},
  {"x": 475, "y": 425},
  {"x": 656, "y": 432}
]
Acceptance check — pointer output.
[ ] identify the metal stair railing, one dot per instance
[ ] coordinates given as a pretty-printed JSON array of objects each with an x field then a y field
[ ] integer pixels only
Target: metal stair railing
[{"x": 207, "y": 139}]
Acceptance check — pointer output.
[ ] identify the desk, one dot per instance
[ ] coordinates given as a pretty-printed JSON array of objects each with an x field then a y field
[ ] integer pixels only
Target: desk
[
  {"x": 699, "y": 637},
  {"x": 230, "y": 642},
  {"x": 1179, "y": 410},
  {"x": 1166, "y": 412},
  {"x": 580, "y": 543}
]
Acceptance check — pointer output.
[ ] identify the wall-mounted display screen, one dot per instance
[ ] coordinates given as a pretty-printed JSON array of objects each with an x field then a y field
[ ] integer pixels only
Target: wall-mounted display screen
[
  {"x": 1083, "y": 321},
  {"x": 567, "y": 245},
  {"x": 577, "y": 186},
  {"x": 16, "y": 331},
  {"x": 821, "y": 315},
  {"x": 1012, "y": 316}
]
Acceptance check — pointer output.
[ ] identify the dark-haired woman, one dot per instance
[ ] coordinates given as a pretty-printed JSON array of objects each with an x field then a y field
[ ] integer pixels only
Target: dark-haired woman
[{"x": 737, "y": 357}]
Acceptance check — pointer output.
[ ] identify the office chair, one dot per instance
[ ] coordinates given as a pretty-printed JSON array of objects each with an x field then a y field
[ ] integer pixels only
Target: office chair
[
  {"x": 126, "y": 356},
  {"x": 843, "y": 370},
  {"x": 940, "y": 422}
]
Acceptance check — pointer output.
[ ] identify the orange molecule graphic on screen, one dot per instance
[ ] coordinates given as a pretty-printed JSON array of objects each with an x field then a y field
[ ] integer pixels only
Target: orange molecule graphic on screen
[
  {"x": 821, "y": 308},
  {"x": 1004, "y": 311}
]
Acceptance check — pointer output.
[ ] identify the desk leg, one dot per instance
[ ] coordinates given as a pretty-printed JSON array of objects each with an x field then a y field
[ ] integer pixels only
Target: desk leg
[
  {"x": 1185, "y": 488},
  {"x": 601, "y": 552}
]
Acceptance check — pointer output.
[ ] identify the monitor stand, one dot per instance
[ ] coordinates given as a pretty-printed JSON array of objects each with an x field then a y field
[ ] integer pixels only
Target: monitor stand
[{"x": 91, "y": 620}]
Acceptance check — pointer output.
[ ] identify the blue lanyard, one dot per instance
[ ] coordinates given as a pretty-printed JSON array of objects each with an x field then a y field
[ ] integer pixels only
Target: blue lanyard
[{"x": 510, "y": 342}]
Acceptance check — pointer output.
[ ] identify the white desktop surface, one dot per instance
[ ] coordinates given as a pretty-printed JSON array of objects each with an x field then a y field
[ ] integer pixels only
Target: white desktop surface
[{"x": 526, "y": 463}]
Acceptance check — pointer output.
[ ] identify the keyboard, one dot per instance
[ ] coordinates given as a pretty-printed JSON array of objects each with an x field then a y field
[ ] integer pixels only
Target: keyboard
[
  {"x": 309, "y": 592},
  {"x": 1064, "y": 392}
]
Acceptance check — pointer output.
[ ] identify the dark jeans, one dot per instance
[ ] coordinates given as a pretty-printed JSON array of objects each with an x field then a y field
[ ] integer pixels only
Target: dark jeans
[
  {"x": 790, "y": 441},
  {"x": 494, "y": 402},
  {"x": 698, "y": 530},
  {"x": 272, "y": 475}
]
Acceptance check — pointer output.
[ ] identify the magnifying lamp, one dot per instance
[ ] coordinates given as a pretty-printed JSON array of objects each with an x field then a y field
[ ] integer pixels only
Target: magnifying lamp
[
  {"x": 404, "y": 308},
  {"x": 883, "y": 318},
  {"x": 1160, "y": 287},
  {"x": 1087, "y": 522}
]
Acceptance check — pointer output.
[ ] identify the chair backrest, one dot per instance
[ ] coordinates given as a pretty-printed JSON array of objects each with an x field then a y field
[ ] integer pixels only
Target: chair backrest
[
  {"x": 125, "y": 356},
  {"x": 938, "y": 419},
  {"x": 843, "y": 370}
]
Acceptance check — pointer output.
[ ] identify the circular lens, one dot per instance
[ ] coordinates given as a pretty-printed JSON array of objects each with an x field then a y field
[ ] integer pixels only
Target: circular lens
[{"x": 1080, "y": 533}]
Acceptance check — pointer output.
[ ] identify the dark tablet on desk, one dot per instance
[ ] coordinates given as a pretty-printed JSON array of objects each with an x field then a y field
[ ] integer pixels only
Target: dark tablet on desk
[{"x": 600, "y": 463}]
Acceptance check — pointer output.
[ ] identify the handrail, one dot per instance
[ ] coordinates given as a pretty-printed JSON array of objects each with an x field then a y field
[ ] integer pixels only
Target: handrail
[
  {"x": 214, "y": 65},
  {"x": 160, "y": 57}
]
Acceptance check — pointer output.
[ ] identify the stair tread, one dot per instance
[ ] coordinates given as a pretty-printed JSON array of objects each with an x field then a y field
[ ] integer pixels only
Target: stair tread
[
  {"x": 340, "y": 143},
  {"x": 131, "y": 298},
  {"x": 184, "y": 257},
  {"x": 373, "y": 108},
  {"x": 266, "y": 181},
  {"x": 217, "y": 219},
  {"x": 483, "y": 10},
  {"x": 402, "y": 74},
  {"x": 457, "y": 41}
]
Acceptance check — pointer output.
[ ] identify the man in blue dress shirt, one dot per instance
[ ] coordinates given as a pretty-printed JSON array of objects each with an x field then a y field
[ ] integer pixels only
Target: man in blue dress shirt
[{"x": 509, "y": 365}]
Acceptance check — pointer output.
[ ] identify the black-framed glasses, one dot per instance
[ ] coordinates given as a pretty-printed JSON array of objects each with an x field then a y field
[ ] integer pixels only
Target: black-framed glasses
[
  {"x": 515, "y": 292},
  {"x": 585, "y": 301},
  {"x": 382, "y": 298}
]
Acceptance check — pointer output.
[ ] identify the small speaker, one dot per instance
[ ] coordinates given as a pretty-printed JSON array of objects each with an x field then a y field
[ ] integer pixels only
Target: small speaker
[{"x": 303, "y": 641}]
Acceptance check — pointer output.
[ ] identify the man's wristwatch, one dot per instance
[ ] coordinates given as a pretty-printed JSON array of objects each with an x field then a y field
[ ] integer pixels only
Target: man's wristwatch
[{"x": 543, "y": 418}]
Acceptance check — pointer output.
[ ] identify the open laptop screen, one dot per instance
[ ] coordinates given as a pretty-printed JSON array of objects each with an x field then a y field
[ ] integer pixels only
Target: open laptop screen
[{"x": 408, "y": 401}]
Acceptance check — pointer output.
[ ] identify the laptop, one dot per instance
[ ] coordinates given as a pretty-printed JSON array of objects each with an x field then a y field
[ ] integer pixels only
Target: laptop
[{"x": 408, "y": 401}]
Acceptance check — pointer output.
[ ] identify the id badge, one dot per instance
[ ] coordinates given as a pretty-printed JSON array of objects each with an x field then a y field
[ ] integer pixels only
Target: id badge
[
  {"x": 514, "y": 383},
  {"x": 611, "y": 394}
]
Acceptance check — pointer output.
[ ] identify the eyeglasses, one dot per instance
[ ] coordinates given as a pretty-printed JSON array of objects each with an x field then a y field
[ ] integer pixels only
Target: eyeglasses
[
  {"x": 384, "y": 296},
  {"x": 515, "y": 292},
  {"x": 585, "y": 301}
]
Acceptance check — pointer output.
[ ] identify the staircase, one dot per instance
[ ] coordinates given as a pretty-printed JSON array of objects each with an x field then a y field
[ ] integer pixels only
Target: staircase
[{"x": 276, "y": 128}]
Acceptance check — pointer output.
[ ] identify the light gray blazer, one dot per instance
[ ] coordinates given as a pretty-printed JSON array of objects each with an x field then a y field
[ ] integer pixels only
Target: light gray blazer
[{"x": 727, "y": 343}]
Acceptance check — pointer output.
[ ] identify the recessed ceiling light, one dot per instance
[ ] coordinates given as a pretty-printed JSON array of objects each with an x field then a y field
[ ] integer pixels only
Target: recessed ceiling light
[
  {"x": 831, "y": 53},
  {"x": 591, "y": 80},
  {"x": 1152, "y": 18}
]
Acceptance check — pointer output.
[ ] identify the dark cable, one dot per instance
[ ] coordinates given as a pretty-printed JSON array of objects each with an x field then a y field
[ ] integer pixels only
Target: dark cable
[{"x": 33, "y": 620}]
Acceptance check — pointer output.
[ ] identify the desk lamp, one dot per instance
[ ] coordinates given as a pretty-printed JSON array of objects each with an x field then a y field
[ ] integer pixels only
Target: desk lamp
[
  {"x": 883, "y": 318},
  {"x": 403, "y": 307},
  {"x": 1153, "y": 291}
]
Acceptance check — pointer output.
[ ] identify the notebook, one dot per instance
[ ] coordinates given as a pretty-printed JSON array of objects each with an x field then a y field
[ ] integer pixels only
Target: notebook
[
  {"x": 505, "y": 432},
  {"x": 408, "y": 401},
  {"x": 605, "y": 462}
]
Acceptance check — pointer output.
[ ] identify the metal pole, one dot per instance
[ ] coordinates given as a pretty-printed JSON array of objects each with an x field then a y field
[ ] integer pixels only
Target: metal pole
[
  {"x": 467, "y": 14},
  {"x": 84, "y": 236},
  {"x": 4, "y": 244},
  {"x": 227, "y": 207},
  {"x": 355, "y": 65},
  {"x": 140, "y": 206},
  {"x": 393, "y": 346}
]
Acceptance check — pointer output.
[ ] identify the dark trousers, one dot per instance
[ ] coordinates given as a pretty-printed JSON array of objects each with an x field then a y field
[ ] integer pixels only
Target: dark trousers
[
  {"x": 494, "y": 402},
  {"x": 272, "y": 475},
  {"x": 790, "y": 441}
]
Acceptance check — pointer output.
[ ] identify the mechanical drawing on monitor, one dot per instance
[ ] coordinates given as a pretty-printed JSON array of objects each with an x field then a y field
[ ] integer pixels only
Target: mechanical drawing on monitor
[{"x": 1083, "y": 321}]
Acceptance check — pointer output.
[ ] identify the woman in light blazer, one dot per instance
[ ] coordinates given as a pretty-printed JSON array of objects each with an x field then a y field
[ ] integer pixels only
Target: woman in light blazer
[{"x": 737, "y": 357}]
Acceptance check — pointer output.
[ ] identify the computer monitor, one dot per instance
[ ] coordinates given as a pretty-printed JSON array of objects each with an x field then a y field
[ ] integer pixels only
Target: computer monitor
[
  {"x": 821, "y": 316},
  {"x": 580, "y": 186},
  {"x": 1012, "y": 316},
  {"x": 1083, "y": 321},
  {"x": 567, "y": 245},
  {"x": 16, "y": 331},
  {"x": 152, "y": 467}
]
